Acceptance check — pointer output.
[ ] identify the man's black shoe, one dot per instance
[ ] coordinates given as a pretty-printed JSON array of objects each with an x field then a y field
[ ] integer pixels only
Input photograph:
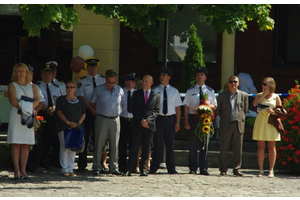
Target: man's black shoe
[
  {"x": 143, "y": 173},
  {"x": 204, "y": 172},
  {"x": 80, "y": 170},
  {"x": 117, "y": 173},
  {"x": 152, "y": 171},
  {"x": 172, "y": 172},
  {"x": 223, "y": 173},
  {"x": 192, "y": 172},
  {"x": 96, "y": 173},
  {"x": 127, "y": 173},
  {"x": 237, "y": 173},
  {"x": 104, "y": 172}
]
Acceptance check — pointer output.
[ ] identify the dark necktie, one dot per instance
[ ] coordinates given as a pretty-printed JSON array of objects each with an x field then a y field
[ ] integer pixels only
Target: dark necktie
[
  {"x": 49, "y": 96},
  {"x": 201, "y": 97},
  {"x": 129, "y": 103},
  {"x": 146, "y": 97},
  {"x": 94, "y": 82},
  {"x": 165, "y": 103}
]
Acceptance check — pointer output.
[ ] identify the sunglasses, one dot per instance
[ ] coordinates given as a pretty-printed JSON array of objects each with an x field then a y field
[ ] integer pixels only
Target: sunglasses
[
  {"x": 264, "y": 84},
  {"x": 232, "y": 81},
  {"x": 68, "y": 87}
]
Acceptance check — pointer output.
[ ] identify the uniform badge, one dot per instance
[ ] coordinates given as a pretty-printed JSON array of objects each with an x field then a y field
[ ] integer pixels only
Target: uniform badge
[
  {"x": 79, "y": 85},
  {"x": 55, "y": 98}
]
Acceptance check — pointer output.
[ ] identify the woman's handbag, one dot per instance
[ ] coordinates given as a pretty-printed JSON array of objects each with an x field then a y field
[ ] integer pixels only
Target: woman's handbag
[
  {"x": 74, "y": 139},
  {"x": 36, "y": 122},
  {"x": 275, "y": 119}
]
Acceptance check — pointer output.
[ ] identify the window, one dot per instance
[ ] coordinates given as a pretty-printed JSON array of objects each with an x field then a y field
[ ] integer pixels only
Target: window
[
  {"x": 287, "y": 41},
  {"x": 9, "y": 9},
  {"x": 179, "y": 24}
]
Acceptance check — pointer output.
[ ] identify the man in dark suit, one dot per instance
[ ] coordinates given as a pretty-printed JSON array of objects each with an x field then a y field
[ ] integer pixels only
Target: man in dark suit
[
  {"x": 145, "y": 108},
  {"x": 232, "y": 107}
]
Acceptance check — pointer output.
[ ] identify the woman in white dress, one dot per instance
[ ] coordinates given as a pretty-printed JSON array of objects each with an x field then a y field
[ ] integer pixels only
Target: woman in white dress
[{"x": 18, "y": 135}]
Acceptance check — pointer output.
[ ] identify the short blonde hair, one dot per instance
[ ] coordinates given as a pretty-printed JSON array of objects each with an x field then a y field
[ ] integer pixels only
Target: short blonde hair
[
  {"x": 271, "y": 83},
  {"x": 139, "y": 85},
  {"x": 14, "y": 77}
]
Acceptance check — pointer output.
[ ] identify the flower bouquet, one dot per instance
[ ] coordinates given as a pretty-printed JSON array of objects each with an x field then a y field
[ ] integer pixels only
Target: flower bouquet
[{"x": 204, "y": 117}]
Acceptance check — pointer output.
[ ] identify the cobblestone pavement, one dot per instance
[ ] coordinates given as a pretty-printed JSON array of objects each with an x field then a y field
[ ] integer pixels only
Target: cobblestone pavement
[{"x": 50, "y": 183}]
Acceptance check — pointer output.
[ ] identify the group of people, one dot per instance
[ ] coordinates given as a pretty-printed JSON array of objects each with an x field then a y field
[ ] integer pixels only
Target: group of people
[{"x": 129, "y": 117}]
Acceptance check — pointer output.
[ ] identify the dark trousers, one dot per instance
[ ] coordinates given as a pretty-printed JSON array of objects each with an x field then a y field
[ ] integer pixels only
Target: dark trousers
[
  {"x": 194, "y": 144},
  {"x": 125, "y": 141},
  {"x": 88, "y": 130},
  {"x": 49, "y": 142},
  {"x": 164, "y": 135},
  {"x": 141, "y": 136}
]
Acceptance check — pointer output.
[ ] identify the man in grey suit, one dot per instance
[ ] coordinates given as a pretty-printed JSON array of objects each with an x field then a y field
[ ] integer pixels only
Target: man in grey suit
[
  {"x": 232, "y": 107},
  {"x": 145, "y": 108}
]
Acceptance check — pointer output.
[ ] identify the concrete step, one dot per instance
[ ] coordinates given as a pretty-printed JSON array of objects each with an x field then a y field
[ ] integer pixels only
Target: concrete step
[{"x": 250, "y": 146}]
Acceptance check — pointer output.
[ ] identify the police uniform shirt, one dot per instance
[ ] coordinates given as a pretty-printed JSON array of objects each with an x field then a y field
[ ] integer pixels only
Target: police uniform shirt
[
  {"x": 40, "y": 94},
  {"x": 85, "y": 85},
  {"x": 61, "y": 85},
  {"x": 54, "y": 91},
  {"x": 107, "y": 103},
  {"x": 173, "y": 98},
  {"x": 124, "y": 103},
  {"x": 192, "y": 97}
]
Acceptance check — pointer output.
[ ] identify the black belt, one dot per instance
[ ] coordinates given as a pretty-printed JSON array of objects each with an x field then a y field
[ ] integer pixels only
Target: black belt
[
  {"x": 108, "y": 117},
  {"x": 127, "y": 118},
  {"x": 166, "y": 116}
]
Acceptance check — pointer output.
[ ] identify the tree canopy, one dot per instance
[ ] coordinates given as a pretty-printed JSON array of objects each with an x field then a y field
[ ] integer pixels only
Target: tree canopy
[{"x": 144, "y": 17}]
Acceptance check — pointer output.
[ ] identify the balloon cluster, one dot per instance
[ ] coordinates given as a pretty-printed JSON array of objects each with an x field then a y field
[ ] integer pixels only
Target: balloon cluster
[{"x": 77, "y": 63}]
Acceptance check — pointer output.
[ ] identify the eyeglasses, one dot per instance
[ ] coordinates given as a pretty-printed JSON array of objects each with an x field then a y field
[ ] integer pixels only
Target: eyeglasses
[
  {"x": 232, "y": 81},
  {"x": 264, "y": 84},
  {"x": 68, "y": 87}
]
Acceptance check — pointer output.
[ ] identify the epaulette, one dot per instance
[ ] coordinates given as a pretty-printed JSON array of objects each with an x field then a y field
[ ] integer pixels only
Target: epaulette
[
  {"x": 209, "y": 88},
  {"x": 83, "y": 77},
  {"x": 190, "y": 88},
  {"x": 55, "y": 85},
  {"x": 155, "y": 87},
  {"x": 102, "y": 76},
  {"x": 39, "y": 82}
]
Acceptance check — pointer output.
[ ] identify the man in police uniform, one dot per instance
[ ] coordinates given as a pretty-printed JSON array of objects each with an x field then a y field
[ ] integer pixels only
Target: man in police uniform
[
  {"x": 192, "y": 100},
  {"x": 106, "y": 100},
  {"x": 49, "y": 140},
  {"x": 62, "y": 86},
  {"x": 126, "y": 120},
  {"x": 85, "y": 88},
  {"x": 167, "y": 122}
]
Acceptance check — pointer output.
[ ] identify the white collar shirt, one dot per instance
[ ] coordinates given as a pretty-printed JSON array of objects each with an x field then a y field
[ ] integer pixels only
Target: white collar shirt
[
  {"x": 173, "y": 98},
  {"x": 192, "y": 97}
]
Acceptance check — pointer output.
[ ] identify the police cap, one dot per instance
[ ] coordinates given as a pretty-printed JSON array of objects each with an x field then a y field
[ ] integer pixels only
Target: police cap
[
  {"x": 166, "y": 70},
  {"x": 201, "y": 70},
  {"x": 51, "y": 64},
  {"x": 130, "y": 76},
  {"x": 92, "y": 62}
]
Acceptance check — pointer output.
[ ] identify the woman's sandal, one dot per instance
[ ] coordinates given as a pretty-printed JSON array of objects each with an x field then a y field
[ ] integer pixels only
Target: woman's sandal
[
  {"x": 260, "y": 173},
  {"x": 271, "y": 174},
  {"x": 23, "y": 177}
]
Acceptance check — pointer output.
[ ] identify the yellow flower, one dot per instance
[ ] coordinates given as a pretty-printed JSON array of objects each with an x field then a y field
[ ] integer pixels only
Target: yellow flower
[
  {"x": 206, "y": 121},
  {"x": 204, "y": 115},
  {"x": 205, "y": 129}
]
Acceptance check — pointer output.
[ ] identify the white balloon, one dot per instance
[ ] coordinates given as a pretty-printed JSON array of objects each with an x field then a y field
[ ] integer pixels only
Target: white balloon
[{"x": 85, "y": 51}]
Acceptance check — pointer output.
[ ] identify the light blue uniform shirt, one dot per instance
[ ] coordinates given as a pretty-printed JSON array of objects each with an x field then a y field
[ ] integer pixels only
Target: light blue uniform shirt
[
  {"x": 192, "y": 97},
  {"x": 108, "y": 103},
  {"x": 124, "y": 103},
  {"x": 173, "y": 98}
]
